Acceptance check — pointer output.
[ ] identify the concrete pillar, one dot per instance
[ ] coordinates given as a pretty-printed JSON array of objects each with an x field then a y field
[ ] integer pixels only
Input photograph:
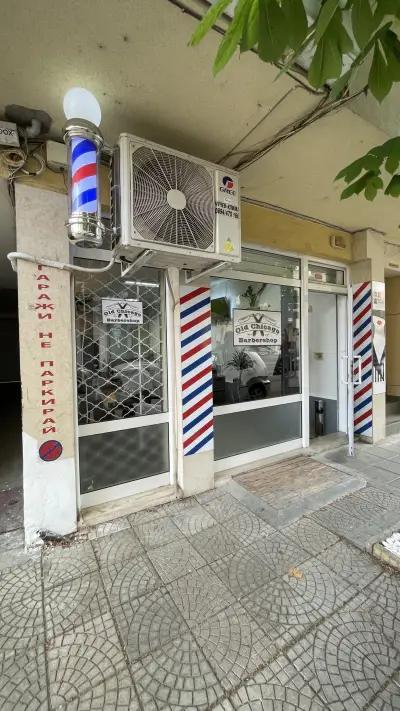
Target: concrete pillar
[
  {"x": 47, "y": 378},
  {"x": 368, "y": 268},
  {"x": 195, "y": 468}
]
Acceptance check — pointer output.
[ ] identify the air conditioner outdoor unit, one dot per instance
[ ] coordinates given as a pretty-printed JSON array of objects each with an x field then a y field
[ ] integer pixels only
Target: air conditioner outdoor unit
[{"x": 183, "y": 209}]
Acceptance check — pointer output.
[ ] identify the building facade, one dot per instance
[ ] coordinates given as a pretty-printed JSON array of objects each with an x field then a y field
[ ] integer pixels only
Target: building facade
[{"x": 206, "y": 379}]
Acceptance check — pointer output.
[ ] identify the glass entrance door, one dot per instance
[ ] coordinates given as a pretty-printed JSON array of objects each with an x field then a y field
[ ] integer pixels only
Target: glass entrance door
[
  {"x": 122, "y": 400},
  {"x": 327, "y": 354}
]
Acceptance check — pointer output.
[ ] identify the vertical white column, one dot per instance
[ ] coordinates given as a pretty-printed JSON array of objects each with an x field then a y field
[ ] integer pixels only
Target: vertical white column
[{"x": 47, "y": 378}]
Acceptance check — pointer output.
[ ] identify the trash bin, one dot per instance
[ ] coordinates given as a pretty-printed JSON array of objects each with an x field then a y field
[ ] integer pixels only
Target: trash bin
[{"x": 319, "y": 418}]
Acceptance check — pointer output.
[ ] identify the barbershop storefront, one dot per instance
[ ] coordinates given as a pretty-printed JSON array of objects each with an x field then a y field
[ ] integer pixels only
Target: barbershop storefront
[{"x": 279, "y": 340}]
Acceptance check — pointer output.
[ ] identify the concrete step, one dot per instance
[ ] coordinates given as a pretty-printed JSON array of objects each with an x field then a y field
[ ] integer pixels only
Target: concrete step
[
  {"x": 393, "y": 406},
  {"x": 392, "y": 425}
]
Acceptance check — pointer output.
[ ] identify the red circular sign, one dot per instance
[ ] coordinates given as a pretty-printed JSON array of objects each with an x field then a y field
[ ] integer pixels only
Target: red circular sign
[{"x": 50, "y": 451}]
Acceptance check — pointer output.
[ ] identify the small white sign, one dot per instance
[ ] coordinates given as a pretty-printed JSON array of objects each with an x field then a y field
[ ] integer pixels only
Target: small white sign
[
  {"x": 122, "y": 311},
  {"x": 257, "y": 328}
]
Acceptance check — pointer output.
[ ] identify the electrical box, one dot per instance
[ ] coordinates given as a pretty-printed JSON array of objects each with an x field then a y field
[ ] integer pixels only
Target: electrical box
[
  {"x": 56, "y": 154},
  {"x": 8, "y": 134}
]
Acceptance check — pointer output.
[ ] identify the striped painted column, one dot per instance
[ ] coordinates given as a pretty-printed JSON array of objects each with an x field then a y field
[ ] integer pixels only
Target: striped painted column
[
  {"x": 84, "y": 181},
  {"x": 196, "y": 370},
  {"x": 362, "y": 346}
]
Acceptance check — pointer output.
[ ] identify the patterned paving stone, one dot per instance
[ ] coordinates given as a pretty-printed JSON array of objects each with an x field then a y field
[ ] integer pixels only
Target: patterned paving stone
[
  {"x": 223, "y": 507},
  {"x": 234, "y": 645},
  {"x": 242, "y": 572},
  {"x": 379, "y": 497},
  {"x": 63, "y": 564},
  {"x": 286, "y": 607},
  {"x": 271, "y": 696},
  {"x": 70, "y": 604},
  {"x": 206, "y": 496},
  {"x": 215, "y": 542},
  {"x": 23, "y": 681},
  {"x": 278, "y": 687},
  {"x": 279, "y": 553},
  {"x": 350, "y": 563},
  {"x": 199, "y": 595},
  {"x": 176, "y": 677},
  {"x": 385, "y": 591},
  {"x": 194, "y": 520},
  {"x": 310, "y": 536},
  {"x": 21, "y": 615},
  {"x": 247, "y": 527},
  {"x": 180, "y": 506},
  {"x": 17, "y": 583},
  {"x": 175, "y": 559},
  {"x": 388, "y": 699},
  {"x": 360, "y": 507},
  {"x": 129, "y": 580},
  {"x": 346, "y": 660},
  {"x": 80, "y": 661},
  {"x": 113, "y": 694},
  {"x": 158, "y": 532},
  {"x": 117, "y": 548},
  {"x": 148, "y": 622},
  {"x": 106, "y": 529},
  {"x": 146, "y": 515},
  {"x": 224, "y": 705},
  {"x": 336, "y": 520}
]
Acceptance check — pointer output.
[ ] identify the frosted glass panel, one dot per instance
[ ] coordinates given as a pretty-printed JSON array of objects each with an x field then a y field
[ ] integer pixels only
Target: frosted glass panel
[
  {"x": 112, "y": 458},
  {"x": 246, "y": 431}
]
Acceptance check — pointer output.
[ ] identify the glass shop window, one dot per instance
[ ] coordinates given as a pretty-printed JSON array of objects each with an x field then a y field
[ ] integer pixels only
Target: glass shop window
[
  {"x": 255, "y": 340},
  {"x": 120, "y": 366},
  {"x": 260, "y": 262},
  {"x": 320, "y": 274}
]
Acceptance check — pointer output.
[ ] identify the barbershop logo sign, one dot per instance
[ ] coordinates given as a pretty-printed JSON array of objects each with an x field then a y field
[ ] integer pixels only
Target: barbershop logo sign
[
  {"x": 256, "y": 328},
  {"x": 122, "y": 311}
]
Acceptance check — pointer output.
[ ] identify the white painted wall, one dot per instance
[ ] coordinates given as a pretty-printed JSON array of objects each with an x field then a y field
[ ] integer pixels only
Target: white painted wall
[
  {"x": 323, "y": 340},
  {"x": 50, "y": 500}
]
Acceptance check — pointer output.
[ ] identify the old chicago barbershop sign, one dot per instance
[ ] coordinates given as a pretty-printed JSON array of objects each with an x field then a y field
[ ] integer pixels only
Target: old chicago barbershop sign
[{"x": 50, "y": 449}]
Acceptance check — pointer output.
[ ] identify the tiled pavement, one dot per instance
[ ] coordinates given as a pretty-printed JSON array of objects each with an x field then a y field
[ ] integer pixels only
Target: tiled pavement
[{"x": 202, "y": 604}]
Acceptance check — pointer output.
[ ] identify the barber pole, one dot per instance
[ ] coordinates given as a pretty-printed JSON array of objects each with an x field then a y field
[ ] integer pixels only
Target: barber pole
[
  {"x": 84, "y": 180},
  {"x": 362, "y": 347},
  {"x": 196, "y": 370},
  {"x": 84, "y": 143}
]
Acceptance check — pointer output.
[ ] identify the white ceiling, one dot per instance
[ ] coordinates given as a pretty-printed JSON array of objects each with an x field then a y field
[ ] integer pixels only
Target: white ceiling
[{"x": 134, "y": 56}]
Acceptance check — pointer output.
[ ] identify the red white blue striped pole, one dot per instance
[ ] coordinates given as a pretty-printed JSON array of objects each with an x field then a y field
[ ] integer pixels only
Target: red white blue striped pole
[
  {"x": 196, "y": 370},
  {"x": 84, "y": 142},
  {"x": 362, "y": 347}
]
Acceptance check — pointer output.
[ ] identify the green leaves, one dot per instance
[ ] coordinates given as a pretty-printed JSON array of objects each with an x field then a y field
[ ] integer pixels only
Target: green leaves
[
  {"x": 393, "y": 188},
  {"x": 326, "y": 63},
  {"x": 379, "y": 80},
  {"x": 346, "y": 33},
  {"x": 251, "y": 25},
  {"x": 363, "y": 22},
  {"x": 296, "y": 22},
  {"x": 232, "y": 37},
  {"x": 271, "y": 37},
  {"x": 367, "y": 174},
  {"x": 209, "y": 20},
  {"x": 324, "y": 18}
]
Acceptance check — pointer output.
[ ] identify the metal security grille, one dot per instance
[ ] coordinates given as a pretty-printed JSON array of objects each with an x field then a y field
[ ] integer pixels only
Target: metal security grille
[{"x": 120, "y": 367}]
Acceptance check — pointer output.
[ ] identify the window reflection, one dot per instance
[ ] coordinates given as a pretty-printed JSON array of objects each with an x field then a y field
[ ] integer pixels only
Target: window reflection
[{"x": 255, "y": 340}]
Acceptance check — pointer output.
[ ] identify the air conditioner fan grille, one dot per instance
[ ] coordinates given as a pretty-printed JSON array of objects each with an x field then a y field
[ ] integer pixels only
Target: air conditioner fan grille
[{"x": 154, "y": 175}]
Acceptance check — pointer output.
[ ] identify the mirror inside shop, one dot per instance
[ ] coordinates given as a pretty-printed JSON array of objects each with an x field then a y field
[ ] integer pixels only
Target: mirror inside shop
[{"x": 255, "y": 340}]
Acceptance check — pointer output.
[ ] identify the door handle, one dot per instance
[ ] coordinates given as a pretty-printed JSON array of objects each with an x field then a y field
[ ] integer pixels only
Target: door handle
[
  {"x": 344, "y": 378},
  {"x": 356, "y": 370}
]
